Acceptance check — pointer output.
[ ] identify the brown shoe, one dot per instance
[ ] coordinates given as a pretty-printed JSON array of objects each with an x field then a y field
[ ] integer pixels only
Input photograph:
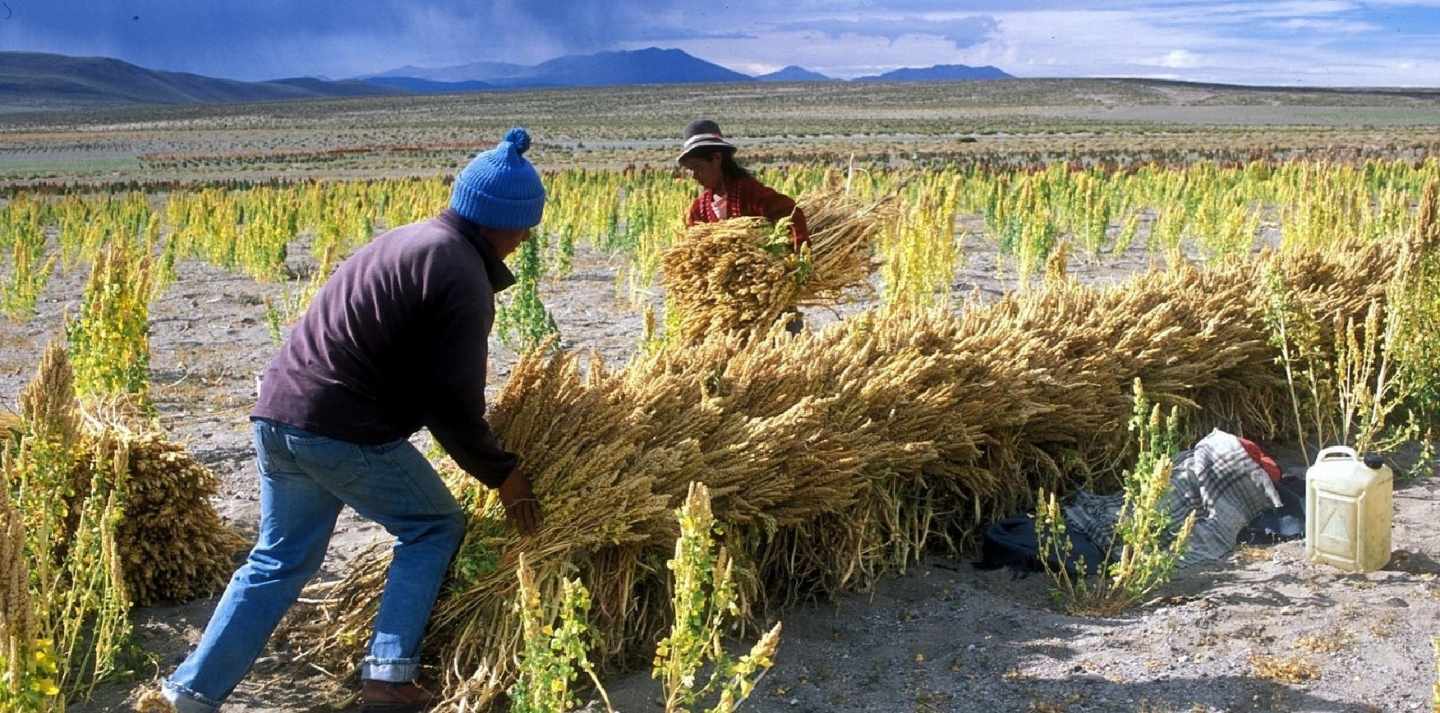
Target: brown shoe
[{"x": 386, "y": 697}]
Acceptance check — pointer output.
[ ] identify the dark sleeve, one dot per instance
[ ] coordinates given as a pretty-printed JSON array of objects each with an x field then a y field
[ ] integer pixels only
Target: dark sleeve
[
  {"x": 456, "y": 416},
  {"x": 776, "y": 205}
]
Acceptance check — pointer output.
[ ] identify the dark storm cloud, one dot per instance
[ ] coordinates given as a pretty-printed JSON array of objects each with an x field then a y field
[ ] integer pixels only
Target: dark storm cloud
[
  {"x": 272, "y": 38},
  {"x": 269, "y": 38},
  {"x": 260, "y": 38}
]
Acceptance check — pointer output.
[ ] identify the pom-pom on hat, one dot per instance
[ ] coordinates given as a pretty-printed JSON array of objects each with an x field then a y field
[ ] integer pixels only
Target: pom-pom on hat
[
  {"x": 703, "y": 133},
  {"x": 499, "y": 188}
]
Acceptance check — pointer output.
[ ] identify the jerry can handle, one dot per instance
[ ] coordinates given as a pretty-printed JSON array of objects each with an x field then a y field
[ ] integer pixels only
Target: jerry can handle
[{"x": 1334, "y": 453}]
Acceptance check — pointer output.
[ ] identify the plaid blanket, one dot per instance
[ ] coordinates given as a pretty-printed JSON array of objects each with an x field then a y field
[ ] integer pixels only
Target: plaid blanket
[{"x": 1218, "y": 480}]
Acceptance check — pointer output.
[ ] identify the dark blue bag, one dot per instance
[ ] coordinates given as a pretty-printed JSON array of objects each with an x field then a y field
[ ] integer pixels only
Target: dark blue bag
[
  {"x": 1012, "y": 543},
  {"x": 1281, "y": 524}
]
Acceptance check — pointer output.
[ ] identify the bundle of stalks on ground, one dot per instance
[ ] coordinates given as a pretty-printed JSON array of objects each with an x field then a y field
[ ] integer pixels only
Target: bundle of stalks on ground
[
  {"x": 96, "y": 518},
  {"x": 837, "y": 457},
  {"x": 172, "y": 543},
  {"x": 743, "y": 275}
]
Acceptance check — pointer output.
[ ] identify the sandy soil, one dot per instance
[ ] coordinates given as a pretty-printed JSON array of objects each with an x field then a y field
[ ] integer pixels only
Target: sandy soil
[{"x": 944, "y": 637}]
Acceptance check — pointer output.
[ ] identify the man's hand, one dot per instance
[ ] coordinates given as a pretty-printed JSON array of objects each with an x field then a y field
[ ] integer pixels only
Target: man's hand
[{"x": 520, "y": 504}]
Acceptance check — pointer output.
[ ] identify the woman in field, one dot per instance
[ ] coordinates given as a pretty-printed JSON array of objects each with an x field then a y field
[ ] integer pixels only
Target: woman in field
[{"x": 731, "y": 192}]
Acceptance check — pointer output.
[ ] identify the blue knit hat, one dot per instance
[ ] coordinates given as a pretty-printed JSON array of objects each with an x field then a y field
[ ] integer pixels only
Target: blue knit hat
[{"x": 500, "y": 189}]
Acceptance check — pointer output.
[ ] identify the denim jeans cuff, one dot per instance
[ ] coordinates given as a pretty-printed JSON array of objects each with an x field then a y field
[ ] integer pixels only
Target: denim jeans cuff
[
  {"x": 186, "y": 700},
  {"x": 390, "y": 670}
]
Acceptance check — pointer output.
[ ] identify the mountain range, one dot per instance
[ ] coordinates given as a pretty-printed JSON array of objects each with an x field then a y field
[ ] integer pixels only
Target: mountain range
[
  {"x": 472, "y": 72},
  {"x": 38, "y": 79},
  {"x": 938, "y": 73}
]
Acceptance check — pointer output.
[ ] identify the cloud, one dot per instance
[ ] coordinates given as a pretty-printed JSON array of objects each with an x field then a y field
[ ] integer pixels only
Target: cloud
[
  {"x": 1183, "y": 39},
  {"x": 1178, "y": 59},
  {"x": 258, "y": 39},
  {"x": 1329, "y": 26},
  {"x": 663, "y": 34},
  {"x": 962, "y": 32}
]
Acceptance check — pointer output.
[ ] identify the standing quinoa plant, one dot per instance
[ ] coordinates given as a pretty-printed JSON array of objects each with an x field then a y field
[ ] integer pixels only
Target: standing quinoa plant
[
  {"x": 1297, "y": 337},
  {"x": 1414, "y": 303},
  {"x": 919, "y": 252},
  {"x": 110, "y": 338},
  {"x": 27, "y": 662},
  {"x": 1369, "y": 389},
  {"x": 523, "y": 322},
  {"x": 283, "y": 312},
  {"x": 22, "y": 231},
  {"x": 704, "y": 599},
  {"x": 60, "y": 521},
  {"x": 1150, "y": 546},
  {"x": 552, "y": 657}
]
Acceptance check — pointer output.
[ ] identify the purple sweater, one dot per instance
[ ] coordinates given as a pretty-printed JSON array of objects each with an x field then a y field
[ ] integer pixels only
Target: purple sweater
[{"x": 396, "y": 340}]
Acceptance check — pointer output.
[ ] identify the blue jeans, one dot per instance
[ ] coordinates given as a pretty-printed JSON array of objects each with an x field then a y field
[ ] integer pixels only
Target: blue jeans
[{"x": 304, "y": 481}]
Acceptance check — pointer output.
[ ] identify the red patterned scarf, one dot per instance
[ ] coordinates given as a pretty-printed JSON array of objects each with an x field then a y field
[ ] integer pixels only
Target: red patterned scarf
[{"x": 732, "y": 205}]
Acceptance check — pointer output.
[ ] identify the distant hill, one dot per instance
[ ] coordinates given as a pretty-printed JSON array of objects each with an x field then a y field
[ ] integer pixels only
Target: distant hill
[
  {"x": 793, "y": 73},
  {"x": 415, "y": 85},
  {"x": 324, "y": 87},
  {"x": 31, "y": 80},
  {"x": 45, "y": 79},
  {"x": 647, "y": 66},
  {"x": 473, "y": 72},
  {"x": 938, "y": 73}
]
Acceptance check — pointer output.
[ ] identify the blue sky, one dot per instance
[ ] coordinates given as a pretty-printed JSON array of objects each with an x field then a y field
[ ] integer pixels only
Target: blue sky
[{"x": 1290, "y": 42}]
